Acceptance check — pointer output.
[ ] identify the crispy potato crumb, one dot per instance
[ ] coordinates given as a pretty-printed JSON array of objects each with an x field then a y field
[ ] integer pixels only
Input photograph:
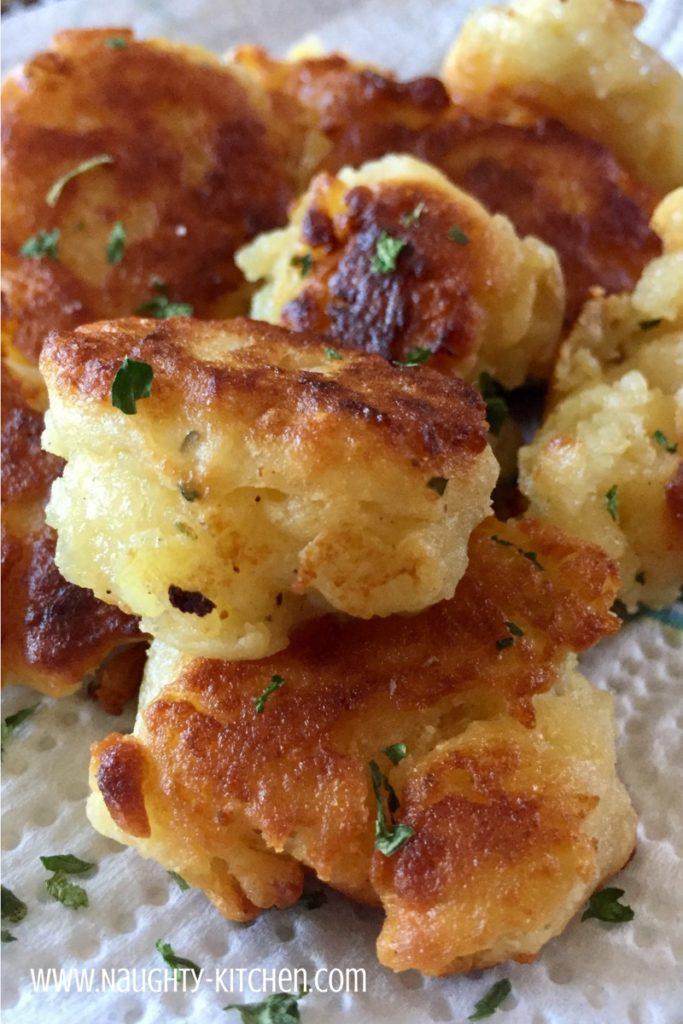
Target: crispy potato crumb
[
  {"x": 262, "y": 479},
  {"x": 509, "y": 780},
  {"x": 580, "y": 62},
  {"x": 462, "y": 285},
  {"x": 615, "y": 426}
]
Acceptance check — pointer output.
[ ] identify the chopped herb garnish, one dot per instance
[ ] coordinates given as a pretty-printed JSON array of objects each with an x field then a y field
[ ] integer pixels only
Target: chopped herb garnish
[
  {"x": 190, "y": 602},
  {"x": 314, "y": 900},
  {"x": 87, "y": 165},
  {"x": 188, "y": 493},
  {"x": 6, "y": 936},
  {"x": 489, "y": 1003},
  {"x": 662, "y": 440},
  {"x": 649, "y": 325},
  {"x": 161, "y": 307},
  {"x": 177, "y": 963},
  {"x": 605, "y": 906},
  {"x": 388, "y": 837},
  {"x": 304, "y": 262},
  {"x": 497, "y": 409},
  {"x": 508, "y": 641},
  {"x": 396, "y": 752},
  {"x": 43, "y": 243},
  {"x": 260, "y": 702},
  {"x": 414, "y": 357},
  {"x": 132, "y": 382},
  {"x": 457, "y": 235},
  {"x": 531, "y": 555},
  {"x": 179, "y": 881},
  {"x": 12, "y": 909},
  {"x": 332, "y": 353},
  {"x": 116, "y": 43},
  {"x": 13, "y": 722},
  {"x": 116, "y": 243},
  {"x": 67, "y": 863},
  {"x": 387, "y": 249},
  {"x": 640, "y": 578},
  {"x": 66, "y": 892},
  {"x": 612, "y": 499},
  {"x": 280, "y": 1008},
  {"x": 414, "y": 215},
  {"x": 438, "y": 484}
]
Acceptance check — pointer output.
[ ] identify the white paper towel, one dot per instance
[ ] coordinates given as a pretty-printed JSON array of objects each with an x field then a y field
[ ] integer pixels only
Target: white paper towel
[{"x": 593, "y": 974}]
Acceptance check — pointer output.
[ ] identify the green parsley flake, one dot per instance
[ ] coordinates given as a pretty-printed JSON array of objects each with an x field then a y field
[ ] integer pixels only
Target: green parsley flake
[
  {"x": 514, "y": 629},
  {"x": 304, "y": 262},
  {"x": 415, "y": 357},
  {"x": 66, "y": 892},
  {"x": 132, "y": 382},
  {"x": 497, "y": 409},
  {"x": 116, "y": 243},
  {"x": 388, "y": 837},
  {"x": 438, "y": 484},
  {"x": 12, "y": 909},
  {"x": 508, "y": 641},
  {"x": 531, "y": 555},
  {"x": 649, "y": 325},
  {"x": 491, "y": 1001},
  {"x": 179, "y": 881},
  {"x": 13, "y": 722},
  {"x": 612, "y": 499},
  {"x": 6, "y": 936},
  {"x": 332, "y": 353},
  {"x": 387, "y": 249},
  {"x": 457, "y": 235},
  {"x": 161, "y": 308},
  {"x": 605, "y": 906},
  {"x": 260, "y": 702},
  {"x": 43, "y": 243},
  {"x": 67, "y": 863},
  {"x": 410, "y": 218},
  {"x": 669, "y": 446},
  {"x": 280, "y": 1008},
  {"x": 88, "y": 165},
  {"x": 175, "y": 962},
  {"x": 396, "y": 752},
  {"x": 116, "y": 43}
]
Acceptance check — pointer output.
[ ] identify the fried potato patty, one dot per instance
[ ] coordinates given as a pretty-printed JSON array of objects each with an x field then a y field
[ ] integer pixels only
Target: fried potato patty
[
  {"x": 508, "y": 778},
  {"x": 454, "y": 282},
  {"x": 552, "y": 183},
  {"x": 193, "y": 165},
  {"x": 607, "y": 461},
  {"x": 266, "y": 475},
  {"x": 53, "y": 634},
  {"x": 580, "y": 62}
]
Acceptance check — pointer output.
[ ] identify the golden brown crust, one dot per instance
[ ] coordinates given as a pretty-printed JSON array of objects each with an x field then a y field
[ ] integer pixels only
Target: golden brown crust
[
  {"x": 262, "y": 380},
  {"x": 296, "y": 775},
  {"x": 53, "y": 633},
  {"x": 199, "y": 167},
  {"x": 120, "y": 778},
  {"x": 599, "y": 225},
  {"x": 391, "y": 313}
]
